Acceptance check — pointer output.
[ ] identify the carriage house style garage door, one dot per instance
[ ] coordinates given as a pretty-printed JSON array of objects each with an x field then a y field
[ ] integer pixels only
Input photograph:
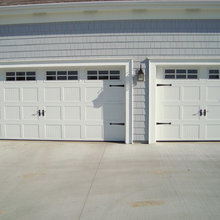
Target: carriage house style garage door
[
  {"x": 188, "y": 103},
  {"x": 63, "y": 104}
]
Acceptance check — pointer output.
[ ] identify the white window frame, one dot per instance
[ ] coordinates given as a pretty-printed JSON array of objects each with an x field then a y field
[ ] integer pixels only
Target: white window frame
[
  {"x": 165, "y": 62},
  {"x": 127, "y": 64}
]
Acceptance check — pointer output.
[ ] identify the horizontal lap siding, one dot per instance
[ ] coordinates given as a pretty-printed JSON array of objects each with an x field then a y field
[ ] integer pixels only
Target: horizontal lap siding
[{"x": 134, "y": 39}]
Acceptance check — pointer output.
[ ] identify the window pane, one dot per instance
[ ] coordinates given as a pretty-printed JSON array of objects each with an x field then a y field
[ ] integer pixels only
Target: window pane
[
  {"x": 170, "y": 71},
  {"x": 30, "y": 73},
  {"x": 61, "y": 73},
  {"x": 169, "y": 76},
  {"x": 72, "y": 77},
  {"x": 20, "y": 74},
  {"x": 10, "y": 79},
  {"x": 51, "y": 77},
  {"x": 30, "y": 78},
  {"x": 20, "y": 78},
  {"x": 180, "y": 71},
  {"x": 10, "y": 74},
  {"x": 115, "y": 74},
  {"x": 192, "y": 76},
  {"x": 61, "y": 77},
  {"x": 50, "y": 73},
  {"x": 192, "y": 71},
  {"x": 72, "y": 73}
]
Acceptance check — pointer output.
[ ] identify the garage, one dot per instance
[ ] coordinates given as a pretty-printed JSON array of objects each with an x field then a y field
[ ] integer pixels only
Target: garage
[
  {"x": 187, "y": 103},
  {"x": 65, "y": 103}
]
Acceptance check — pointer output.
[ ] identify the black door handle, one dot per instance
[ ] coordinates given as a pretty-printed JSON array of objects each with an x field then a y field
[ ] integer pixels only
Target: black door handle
[
  {"x": 200, "y": 112},
  {"x": 204, "y": 112},
  {"x": 39, "y": 113}
]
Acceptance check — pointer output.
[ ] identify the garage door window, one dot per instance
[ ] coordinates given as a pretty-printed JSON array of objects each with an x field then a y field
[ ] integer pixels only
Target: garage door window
[
  {"x": 103, "y": 75},
  {"x": 20, "y": 76},
  {"x": 213, "y": 74},
  {"x": 62, "y": 75},
  {"x": 181, "y": 74}
]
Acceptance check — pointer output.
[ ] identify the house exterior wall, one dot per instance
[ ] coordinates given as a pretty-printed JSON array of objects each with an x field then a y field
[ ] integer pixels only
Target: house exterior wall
[{"x": 133, "y": 39}]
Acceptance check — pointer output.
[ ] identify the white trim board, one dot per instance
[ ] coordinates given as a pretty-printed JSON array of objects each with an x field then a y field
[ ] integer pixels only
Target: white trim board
[
  {"x": 126, "y": 63},
  {"x": 153, "y": 64}
]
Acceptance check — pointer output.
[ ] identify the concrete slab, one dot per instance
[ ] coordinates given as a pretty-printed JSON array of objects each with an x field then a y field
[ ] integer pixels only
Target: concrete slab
[{"x": 89, "y": 180}]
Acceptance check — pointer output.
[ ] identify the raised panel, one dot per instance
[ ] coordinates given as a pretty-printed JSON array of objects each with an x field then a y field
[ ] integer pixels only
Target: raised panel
[
  {"x": 94, "y": 94},
  {"x": 30, "y": 94},
  {"x": 72, "y": 132},
  {"x": 113, "y": 112},
  {"x": 113, "y": 94},
  {"x": 53, "y": 131},
  {"x": 168, "y": 132},
  {"x": 191, "y": 93},
  {"x": 12, "y": 113},
  {"x": 213, "y": 112},
  {"x": 190, "y": 112},
  {"x": 94, "y": 113},
  {"x": 94, "y": 132},
  {"x": 213, "y": 132},
  {"x": 171, "y": 93},
  {"x": 12, "y": 131},
  {"x": 12, "y": 95},
  {"x": 191, "y": 132},
  {"x": 31, "y": 131},
  {"x": 52, "y": 94},
  {"x": 52, "y": 112},
  {"x": 30, "y": 112},
  {"x": 72, "y": 113},
  {"x": 72, "y": 94},
  {"x": 171, "y": 112},
  {"x": 213, "y": 93}
]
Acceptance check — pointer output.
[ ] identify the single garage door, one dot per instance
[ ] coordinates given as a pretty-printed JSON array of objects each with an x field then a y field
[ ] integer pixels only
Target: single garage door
[
  {"x": 63, "y": 104},
  {"x": 188, "y": 104}
]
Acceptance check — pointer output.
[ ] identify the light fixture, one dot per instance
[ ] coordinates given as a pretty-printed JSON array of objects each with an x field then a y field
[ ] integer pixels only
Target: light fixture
[{"x": 140, "y": 75}]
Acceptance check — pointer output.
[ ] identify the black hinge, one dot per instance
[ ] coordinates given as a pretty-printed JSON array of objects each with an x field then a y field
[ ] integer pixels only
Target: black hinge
[
  {"x": 164, "y": 84},
  {"x": 117, "y": 123},
  {"x": 161, "y": 123},
  {"x": 116, "y": 85}
]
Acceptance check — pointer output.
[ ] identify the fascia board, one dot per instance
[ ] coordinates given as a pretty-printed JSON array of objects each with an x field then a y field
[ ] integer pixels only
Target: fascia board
[{"x": 106, "y": 6}]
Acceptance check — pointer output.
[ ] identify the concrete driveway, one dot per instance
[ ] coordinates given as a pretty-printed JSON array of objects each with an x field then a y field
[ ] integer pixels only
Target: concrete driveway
[{"x": 103, "y": 181}]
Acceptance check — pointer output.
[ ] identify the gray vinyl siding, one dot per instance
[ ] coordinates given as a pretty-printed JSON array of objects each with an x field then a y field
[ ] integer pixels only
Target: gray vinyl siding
[{"x": 113, "y": 39}]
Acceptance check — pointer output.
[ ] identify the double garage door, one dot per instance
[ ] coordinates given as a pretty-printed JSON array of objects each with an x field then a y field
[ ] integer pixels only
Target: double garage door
[
  {"x": 188, "y": 104},
  {"x": 63, "y": 104}
]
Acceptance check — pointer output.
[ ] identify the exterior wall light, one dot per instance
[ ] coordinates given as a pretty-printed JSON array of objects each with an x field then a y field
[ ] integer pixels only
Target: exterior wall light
[{"x": 140, "y": 75}]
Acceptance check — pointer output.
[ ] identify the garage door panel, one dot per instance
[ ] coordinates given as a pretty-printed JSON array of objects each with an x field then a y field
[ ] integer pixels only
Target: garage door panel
[
  {"x": 13, "y": 131},
  {"x": 52, "y": 113},
  {"x": 213, "y": 112},
  {"x": 72, "y": 132},
  {"x": 72, "y": 94},
  {"x": 12, "y": 95},
  {"x": 171, "y": 93},
  {"x": 114, "y": 132},
  {"x": 52, "y": 94},
  {"x": 190, "y": 112},
  {"x": 191, "y": 132},
  {"x": 171, "y": 112},
  {"x": 12, "y": 113},
  {"x": 212, "y": 132},
  {"x": 53, "y": 131},
  {"x": 30, "y": 112},
  {"x": 191, "y": 93},
  {"x": 93, "y": 113},
  {"x": 113, "y": 94},
  {"x": 213, "y": 93},
  {"x": 30, "y": 95},
  {"x": 114, "y": 112},
  {"x": 31, "y": 131},
  {"x": 72, "y": 112},
  {"x": 93, "y": 94},
  {"x": 171, "y": 132},
  {"x": 94, "y": 132}
]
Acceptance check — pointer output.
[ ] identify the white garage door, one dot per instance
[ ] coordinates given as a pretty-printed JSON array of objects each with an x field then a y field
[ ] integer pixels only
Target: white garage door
[
  {"x": 188, "y": 105},
  {"x": 63, "y": 104}
]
